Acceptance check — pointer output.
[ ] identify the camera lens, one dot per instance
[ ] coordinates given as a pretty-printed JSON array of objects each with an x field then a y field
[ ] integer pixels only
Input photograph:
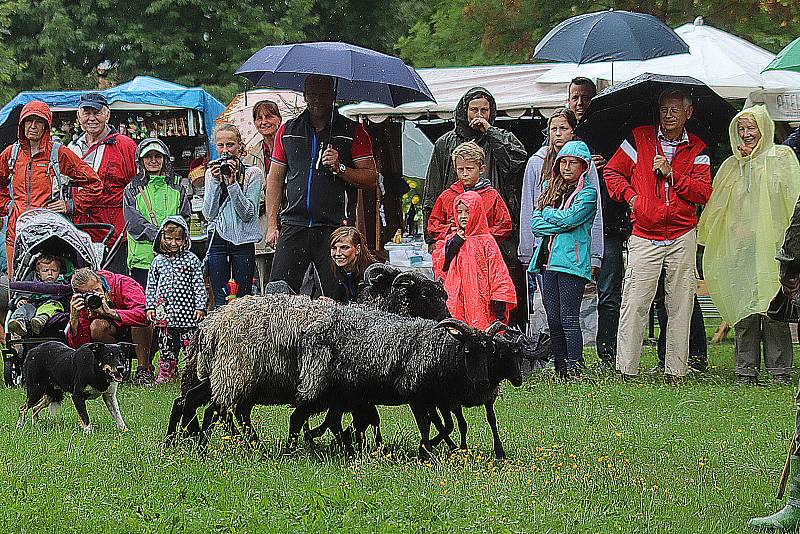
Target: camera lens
[{"x": 93, "y": 301}]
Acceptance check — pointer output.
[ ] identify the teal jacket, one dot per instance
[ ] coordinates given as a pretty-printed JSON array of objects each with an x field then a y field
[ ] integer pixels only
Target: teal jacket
[{"x": 571, "y": 227}]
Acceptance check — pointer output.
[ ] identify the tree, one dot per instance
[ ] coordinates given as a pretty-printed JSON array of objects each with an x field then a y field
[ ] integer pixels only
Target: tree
[{"x": 473, "y": 32}]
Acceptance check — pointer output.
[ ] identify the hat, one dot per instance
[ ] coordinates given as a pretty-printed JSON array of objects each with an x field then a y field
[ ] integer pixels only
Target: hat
[
  {"x": 93, "y": 100},
  {"x": 152, "y": 146}
]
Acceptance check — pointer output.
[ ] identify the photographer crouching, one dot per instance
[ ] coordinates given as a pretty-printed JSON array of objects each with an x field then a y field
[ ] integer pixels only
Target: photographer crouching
[
  {"x": 110, "y": 308},
  {"x": 232, "y": 195}
]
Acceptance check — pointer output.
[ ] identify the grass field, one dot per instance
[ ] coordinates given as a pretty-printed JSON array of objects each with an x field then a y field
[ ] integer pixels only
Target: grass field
[{"x": 596, "y": 456}]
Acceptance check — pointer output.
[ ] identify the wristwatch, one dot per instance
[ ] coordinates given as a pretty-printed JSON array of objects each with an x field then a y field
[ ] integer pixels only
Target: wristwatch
[{"x": 340, "y": 169}]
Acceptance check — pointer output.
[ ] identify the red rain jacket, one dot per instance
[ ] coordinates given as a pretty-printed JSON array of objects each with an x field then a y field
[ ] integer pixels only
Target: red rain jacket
[
  {"x": 665, "y": 208},
  {"x": 125, "y": 296},
  {"x": 31, "y": 178},
  {"x": 116, "y": 170},
  {"x": 498, "y": 218},
  {"x": 477, "y": 275}
]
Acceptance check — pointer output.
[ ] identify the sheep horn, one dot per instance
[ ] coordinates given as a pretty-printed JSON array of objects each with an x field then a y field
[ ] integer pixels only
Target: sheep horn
[
  {"x": 454, "y": 323},
  {"x": 404, "y": 279},
  {"x": 495, "y": 327}
]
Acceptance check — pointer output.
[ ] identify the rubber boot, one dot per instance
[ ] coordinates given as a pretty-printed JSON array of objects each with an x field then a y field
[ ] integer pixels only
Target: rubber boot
[
  {"x": 166, "y": 370},
  {"x": 789, "y": 517}
]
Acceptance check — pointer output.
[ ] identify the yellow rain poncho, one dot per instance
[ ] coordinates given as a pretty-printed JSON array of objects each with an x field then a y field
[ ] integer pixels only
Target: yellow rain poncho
[{"x": 743, "y": 224}]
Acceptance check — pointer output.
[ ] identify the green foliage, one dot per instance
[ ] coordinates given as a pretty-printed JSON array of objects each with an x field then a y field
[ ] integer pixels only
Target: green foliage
[
  {"x": 600, "y": 455},
  {"x": 474, "y": 32}
]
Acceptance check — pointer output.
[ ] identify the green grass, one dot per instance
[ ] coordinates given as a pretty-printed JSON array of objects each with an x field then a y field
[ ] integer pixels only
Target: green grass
[{"x": 596, "y": 456}]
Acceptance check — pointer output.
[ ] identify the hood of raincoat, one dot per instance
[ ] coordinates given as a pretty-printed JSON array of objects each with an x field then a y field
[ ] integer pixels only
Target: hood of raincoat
[
  {"x": 167, "y": 171},
  {"x": 744, "y": 222},
  {"x": 174, "y": 219},
  {"x": 765, "y": 125},
  {"x": 576, "y": 149},
  {"x": 460, "y": 114},
  {"x": 35, "y": 108},
  {"x": 477, "y": 224}
]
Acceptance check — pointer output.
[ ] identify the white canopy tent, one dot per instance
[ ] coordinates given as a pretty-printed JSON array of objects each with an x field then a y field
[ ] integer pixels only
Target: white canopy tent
[
  {"x": 728, "y": 64},
  {"x": 514, "y": 88},
  {"x": 783, "y": 105}
]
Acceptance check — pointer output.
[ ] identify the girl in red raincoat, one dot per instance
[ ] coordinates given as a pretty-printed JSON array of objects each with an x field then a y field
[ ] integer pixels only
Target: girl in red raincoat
[{"x": 479, "y": 289}]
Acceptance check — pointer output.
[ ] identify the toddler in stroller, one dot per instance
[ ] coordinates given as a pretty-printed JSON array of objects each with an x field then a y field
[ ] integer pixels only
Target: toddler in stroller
[{"x": 36, "y": 310}]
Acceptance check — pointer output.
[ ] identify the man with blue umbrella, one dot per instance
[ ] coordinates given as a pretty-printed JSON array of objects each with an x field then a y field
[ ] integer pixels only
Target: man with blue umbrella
[{"x": 319, "y": 161}]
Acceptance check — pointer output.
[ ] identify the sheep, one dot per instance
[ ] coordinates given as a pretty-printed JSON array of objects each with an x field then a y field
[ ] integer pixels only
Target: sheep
[
  {"x": 386, "y": 288},
  {"x": 392, "y": 360}
]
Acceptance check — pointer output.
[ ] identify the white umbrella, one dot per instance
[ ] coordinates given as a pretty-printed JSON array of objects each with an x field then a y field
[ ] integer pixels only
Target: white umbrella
[
  {"x": 728, "y": 64},
  {"x": 290, "y": 104}
]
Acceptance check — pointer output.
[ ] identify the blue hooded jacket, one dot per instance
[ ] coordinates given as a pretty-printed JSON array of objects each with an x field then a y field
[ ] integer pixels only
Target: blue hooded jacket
[{"x": 571, "y": 225}]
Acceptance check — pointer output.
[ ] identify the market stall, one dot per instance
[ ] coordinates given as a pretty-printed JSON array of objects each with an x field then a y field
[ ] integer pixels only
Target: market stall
[{"x": 181, "y": 116}]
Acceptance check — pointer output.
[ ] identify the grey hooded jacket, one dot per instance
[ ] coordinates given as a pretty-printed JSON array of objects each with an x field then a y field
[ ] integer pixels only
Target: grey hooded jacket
[{"x": 505, "y": 158}]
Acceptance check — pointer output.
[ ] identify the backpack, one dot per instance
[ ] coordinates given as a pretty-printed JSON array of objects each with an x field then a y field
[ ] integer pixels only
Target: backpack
[{"x": 58, "y": 184}]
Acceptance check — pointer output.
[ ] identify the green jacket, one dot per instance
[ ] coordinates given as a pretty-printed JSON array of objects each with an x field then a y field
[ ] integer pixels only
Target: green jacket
[{"x": 165, "y": 200}]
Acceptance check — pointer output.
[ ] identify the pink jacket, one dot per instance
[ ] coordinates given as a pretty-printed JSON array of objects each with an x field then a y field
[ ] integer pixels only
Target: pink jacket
[{"x": 126, "y": 296}]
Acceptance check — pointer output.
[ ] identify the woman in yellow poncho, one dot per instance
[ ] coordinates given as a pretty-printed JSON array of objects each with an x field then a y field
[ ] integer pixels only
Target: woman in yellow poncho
[{"x": 742, "y": 228}]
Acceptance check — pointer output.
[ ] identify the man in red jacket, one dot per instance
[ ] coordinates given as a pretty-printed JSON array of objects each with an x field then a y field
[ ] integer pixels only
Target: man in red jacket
[
  {"x": 113, "y": 157},
  {"x": 662, "y": 172},
  {"x": 120, "y": 316}
]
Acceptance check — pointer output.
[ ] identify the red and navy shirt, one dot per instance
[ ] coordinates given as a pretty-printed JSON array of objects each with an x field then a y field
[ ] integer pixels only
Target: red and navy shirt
[{"x": 313, "y": 194}]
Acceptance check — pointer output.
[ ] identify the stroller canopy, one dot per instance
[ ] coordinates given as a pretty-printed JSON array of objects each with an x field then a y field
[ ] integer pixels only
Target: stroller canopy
[{"x": 37, "y": 226}]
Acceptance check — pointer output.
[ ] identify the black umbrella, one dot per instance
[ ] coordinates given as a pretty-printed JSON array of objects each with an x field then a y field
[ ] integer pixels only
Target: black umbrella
[
  {"x": 609, "y": 36},
  {"x": 620, "y": 108}
]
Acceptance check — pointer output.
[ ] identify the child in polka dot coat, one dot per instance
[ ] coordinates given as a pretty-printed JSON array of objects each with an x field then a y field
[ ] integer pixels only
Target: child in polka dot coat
[{"x": 175, "y": 294}]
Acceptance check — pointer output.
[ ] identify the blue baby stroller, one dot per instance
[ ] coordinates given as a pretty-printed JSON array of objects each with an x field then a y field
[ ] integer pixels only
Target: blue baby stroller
[{"x": 42, "y": 231}]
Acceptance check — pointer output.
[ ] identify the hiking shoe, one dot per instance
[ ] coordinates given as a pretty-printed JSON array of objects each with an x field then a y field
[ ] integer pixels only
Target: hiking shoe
[
  {"x": 38, "y": 322},
  {"x": 655, "y": 370},
  {"x": 18, "y": 327},
  {"x": 144, "y": 377}
]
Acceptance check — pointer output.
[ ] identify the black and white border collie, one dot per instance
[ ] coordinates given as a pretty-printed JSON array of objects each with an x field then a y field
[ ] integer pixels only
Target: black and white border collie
[{"x": 53, "y": 369}]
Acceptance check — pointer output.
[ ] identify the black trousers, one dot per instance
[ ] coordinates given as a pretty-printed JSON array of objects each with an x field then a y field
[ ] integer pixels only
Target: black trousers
[{"x": 297, "y": 248}]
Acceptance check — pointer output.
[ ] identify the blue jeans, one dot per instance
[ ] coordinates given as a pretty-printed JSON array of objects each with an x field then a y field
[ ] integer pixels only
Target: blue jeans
[
  {"x": 562, "y": 294},
  {"x": 226, "y": 261},
  {"x": 609, "y": 297}
]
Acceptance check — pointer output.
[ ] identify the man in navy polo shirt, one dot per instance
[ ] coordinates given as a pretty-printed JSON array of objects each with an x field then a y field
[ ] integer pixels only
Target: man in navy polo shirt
[{"x": 313, "y": 185}]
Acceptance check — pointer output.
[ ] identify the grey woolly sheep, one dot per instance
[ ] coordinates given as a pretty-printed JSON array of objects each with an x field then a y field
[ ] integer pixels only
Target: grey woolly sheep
[{"x": 392, "y": 360}]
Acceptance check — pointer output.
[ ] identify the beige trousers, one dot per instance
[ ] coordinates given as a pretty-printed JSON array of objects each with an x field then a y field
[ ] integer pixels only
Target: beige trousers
[{"x": 645, "y": 262}]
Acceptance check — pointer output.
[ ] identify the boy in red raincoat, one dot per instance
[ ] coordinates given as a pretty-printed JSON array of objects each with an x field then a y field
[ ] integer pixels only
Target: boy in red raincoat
[{"x": 479, "y": 289}]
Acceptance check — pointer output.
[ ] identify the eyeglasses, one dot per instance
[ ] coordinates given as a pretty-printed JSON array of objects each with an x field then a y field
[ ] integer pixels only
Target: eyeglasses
[{"x": 672, "y": 110}]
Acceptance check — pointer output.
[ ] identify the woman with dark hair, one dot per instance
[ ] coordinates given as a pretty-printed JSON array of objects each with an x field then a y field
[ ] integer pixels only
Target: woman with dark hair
[
  {"x": 350, "y": 258},
  {"x": 267, "y": 119}
]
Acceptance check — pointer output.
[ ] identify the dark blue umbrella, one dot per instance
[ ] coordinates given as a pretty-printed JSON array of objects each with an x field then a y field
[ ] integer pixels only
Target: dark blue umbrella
[
  {"x": 361, "y": 74},
  {"x": 609, "y": 36}
]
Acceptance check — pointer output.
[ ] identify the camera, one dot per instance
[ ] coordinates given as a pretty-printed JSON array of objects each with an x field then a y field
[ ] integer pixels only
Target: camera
[
  {"x": 92, "y": 300},
  {"x": 226, "y": 163}
]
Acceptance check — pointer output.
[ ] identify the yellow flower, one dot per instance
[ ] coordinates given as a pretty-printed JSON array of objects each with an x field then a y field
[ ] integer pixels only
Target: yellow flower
[
  {"x": 412, "y": 184},
  {"x": 415, "y": 199}
]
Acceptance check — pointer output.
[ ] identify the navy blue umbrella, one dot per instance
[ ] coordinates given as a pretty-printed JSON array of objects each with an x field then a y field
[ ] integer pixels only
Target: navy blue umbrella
[
  {"x": 609, "y": 36},
  {"x": 361, "y": 74}
]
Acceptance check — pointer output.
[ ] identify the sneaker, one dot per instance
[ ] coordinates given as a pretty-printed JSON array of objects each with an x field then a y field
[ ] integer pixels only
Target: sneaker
[
  {"x": 783, "y": 380},
  {"x": 656, "y": 370},
  {"x": 144, "y": 377},
  {"x": 742, "y": 380},
  {"x": 605, "y": 367},
  {"x": 38, "y": 322},
  {"x": 18, "y": 327}
]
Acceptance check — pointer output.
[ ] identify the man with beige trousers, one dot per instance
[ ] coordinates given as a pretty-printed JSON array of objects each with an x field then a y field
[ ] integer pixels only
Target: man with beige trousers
[{"x": 663, "y": 173}]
